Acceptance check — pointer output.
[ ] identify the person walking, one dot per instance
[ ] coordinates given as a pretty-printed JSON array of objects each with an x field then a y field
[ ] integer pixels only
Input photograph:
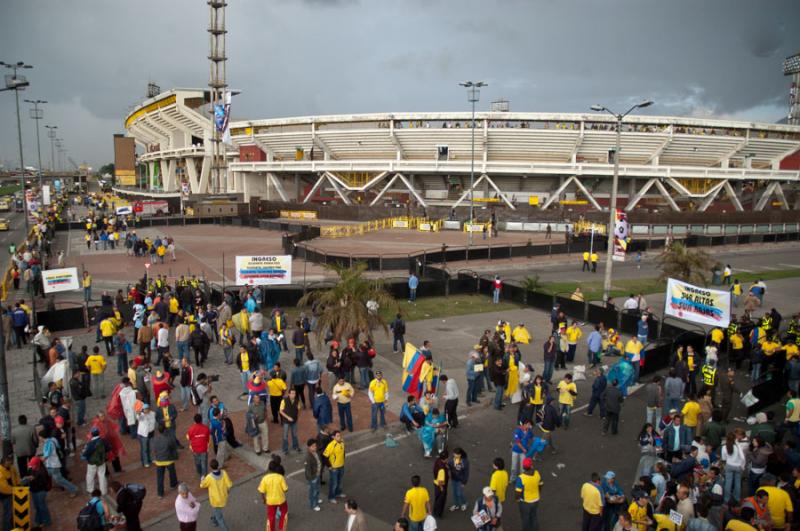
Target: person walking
[
  {"x": 39, "y": 483},
  {"x": 94, "y": 453},
  {"x": 585, "y": 266},
  {"x": 598, "y": 387},
  {"x": 497, "y": 286},
  {"x": 25, "y": 441},
  {"x": 219, "y": 485},
  {"x": 343, "y": 395},
  {"x": 416, "y": 504},
  {"x": 592, "y": 500},
  {"x": 520, "y": 446},
  {"x": 594, "y": 257},
  {"x": 186, "y": 508},
  {"x": 277, "y": 388},
  {"x": 441, "y": 477},
  {"x": 257, "y": 411},
  {"x": 130, "y": 498},
  {"x": 145, "y": 430},
  {"x": 96, "y": 364},
  {"x": 459, "y": 475},
  {"x": 335, "y": 454},
  {"x": 378, "y": 395},
  {"x": 567, "y": 391},
  {"x": 199, "y": 437},
  {"x": 527, "y": 488},
  {"x": 54, "y": 463},
  {"x": 612, "y": 398},
  {"x": 165, "y": 453},
  {"x": 550, "y": 352},
  {"x": 273, "y": 489},
  {"x": 398, "y": 328},
  {"x": 289, "y": 412},
  {"x": 450, "y": 400},
  {"x": 313, "y": 471}
]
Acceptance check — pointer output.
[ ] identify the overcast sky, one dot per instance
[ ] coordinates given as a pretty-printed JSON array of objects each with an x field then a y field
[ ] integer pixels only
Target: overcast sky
[{"x": 94, "y": 58}]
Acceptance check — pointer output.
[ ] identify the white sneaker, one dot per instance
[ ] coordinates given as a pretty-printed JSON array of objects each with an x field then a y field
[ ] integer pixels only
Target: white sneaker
[
  {"x": 317, "y": 508},
  {"x": 333, "y": 502},
  {"x": 464, "y": 507},
  {"x": 342, "y": 496},
  {"x": 453, "y": 508}
]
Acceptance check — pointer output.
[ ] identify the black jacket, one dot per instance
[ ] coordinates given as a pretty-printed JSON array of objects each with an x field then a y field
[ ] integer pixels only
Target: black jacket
[
  {"x": 198, "y": 339},
  {"x": 551, "y": 419},
  {"x": 612, "y": 397},
  {"x": 77, "y": 389}
]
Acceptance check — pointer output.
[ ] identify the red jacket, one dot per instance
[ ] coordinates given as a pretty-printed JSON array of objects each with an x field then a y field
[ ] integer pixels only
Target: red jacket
[{"x": 198, "y": 436}]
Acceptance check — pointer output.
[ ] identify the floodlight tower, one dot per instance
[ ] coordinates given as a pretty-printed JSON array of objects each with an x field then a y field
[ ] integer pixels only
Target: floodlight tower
[
  {"x": 218, "y": 84},
  {"x": 791, "y": 67}
]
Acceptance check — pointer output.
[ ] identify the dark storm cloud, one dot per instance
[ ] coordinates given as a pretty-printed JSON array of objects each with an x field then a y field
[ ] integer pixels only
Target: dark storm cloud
[{"x": 94, "y": 58}]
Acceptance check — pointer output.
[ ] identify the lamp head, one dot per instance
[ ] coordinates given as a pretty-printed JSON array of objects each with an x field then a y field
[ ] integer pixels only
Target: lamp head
[
  {"x": 597, "y": 107},
  {"x": 645, "y": 103}
]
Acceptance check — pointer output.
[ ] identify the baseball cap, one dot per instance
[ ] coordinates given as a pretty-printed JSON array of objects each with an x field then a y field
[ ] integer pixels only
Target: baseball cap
[
  {"x": 527, "y": 463},
  {"x": 487, "y": 491},
  {"x": 95, "y": 431}
]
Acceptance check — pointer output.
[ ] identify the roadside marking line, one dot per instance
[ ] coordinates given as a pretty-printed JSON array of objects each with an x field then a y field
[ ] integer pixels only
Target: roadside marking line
[
  {"x": 794, "y": 266},
  {"x": 743, "y": 270},
  {"x": 770, "y": 268}
]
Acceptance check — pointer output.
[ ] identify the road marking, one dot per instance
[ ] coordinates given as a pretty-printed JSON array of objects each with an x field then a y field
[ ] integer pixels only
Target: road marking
[
  {"x": 771, "y": 268},
  {"x": 790, "y": 265},
  {"x": 743, "y": 270}
]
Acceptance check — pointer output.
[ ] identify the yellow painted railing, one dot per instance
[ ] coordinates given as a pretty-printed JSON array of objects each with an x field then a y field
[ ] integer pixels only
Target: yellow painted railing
[{"x": 357, "y": 229}]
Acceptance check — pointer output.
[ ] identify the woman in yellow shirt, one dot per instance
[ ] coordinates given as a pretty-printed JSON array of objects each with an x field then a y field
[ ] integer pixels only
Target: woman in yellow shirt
[
  {"x": 513, "y": 376},
  {"x": 538, "y": 394},
  {"x": 499, "y": 481}
]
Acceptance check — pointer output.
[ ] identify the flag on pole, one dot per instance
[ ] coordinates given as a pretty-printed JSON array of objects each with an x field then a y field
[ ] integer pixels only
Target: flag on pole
[{"x": 413, "y": 362}]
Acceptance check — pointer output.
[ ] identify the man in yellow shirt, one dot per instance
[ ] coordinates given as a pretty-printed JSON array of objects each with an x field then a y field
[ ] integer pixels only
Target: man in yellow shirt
[
  {"x": 218, "y": 484},
  {"x": 567, "y": 391},
  {"x": 527, "y": 492},
  {"x": 378, "y": 395},
  {"x": 96, "y": 364},
  {"x": 574, "y": 333},
  {"x": 499, "y": 480},
  {"x": 717, "y": 335},
  {"x": 273, "y": 490},
  {"x": 779, "y": 502},
  {"x": 276, "y": 387},
  {"x": 592, "y": 499},
  {"x": 585, "y": 266},
  {"x": 334, "y": 453},
  {"x": 691, "y": 414},
  {"x": 521, "y": 335},
  {"x": 86, "y": 281},
  {"x": 638, "y": 510},
  {"x": 595, "y": 258},
  {"x": 417, "y": 504},
  {"x": 107, "y": 329},
  {"x": 343, "y": 394},
  {"x": 736, "y": 343}
]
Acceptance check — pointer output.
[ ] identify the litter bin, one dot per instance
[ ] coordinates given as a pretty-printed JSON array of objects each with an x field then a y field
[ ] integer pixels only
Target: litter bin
[{"x": 716, "y": 277}]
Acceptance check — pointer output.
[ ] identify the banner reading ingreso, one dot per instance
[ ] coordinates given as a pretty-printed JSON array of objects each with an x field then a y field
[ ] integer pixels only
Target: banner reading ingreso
[
  {"x": 56, "y": 280},
  {"x": 263, "y": 270},
  {"x": 696, "y": 304}
]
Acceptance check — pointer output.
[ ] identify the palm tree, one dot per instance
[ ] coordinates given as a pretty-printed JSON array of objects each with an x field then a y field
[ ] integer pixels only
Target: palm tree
[
  {"x": 344, "y": 307},
  {"x": 679, "y": 262}
]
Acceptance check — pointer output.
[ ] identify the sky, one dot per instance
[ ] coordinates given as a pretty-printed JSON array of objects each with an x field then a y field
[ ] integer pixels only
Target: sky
[{"x": 93, "y": 59}]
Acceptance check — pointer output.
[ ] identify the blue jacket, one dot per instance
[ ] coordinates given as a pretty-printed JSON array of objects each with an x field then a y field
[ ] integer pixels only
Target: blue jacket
[
  {"x": 322, "y": 409},
  {"x": 19, "y": 317},
  {"x": 459, "y": 472},
  {"x": 595, "y": 342},
  {"x": 599, "y": 385},
  {"x": 684, "y": 435},
  {"x": 471, "y": 374}
]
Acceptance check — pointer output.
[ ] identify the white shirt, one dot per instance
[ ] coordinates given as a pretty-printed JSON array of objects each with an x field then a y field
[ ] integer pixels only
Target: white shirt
[
  {"x": 147, "y": 423},
  {"x": 128, "y": 399},
  {"x": 451, "y": 390},
  {"x": 631, "y": 304},
  {"x": 163, "y": 337},
  {"x": 350, "y": 521}
]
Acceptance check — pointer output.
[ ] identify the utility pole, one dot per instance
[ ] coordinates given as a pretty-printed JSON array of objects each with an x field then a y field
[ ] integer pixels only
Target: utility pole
[
  {"x": 218, "y": 85},
  {"x": 51, "y": 134},
  {"x": 473, "y": 96},
  {"x": 37, "y": 114},
  {"x": 16, "y": 83}
]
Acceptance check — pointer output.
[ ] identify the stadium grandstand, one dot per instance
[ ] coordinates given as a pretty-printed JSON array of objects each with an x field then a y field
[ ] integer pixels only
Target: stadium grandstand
[{"x": 542, "y": 159}]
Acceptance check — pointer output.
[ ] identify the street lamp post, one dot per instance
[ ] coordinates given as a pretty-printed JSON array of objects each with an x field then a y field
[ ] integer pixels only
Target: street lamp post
[
  {"x": 612, "y": 208},
  {"x": 51, "y": 134},
  {"x": 16, "y": 83},
  {"x": 37, "y": 114},
  {"x": 473, "y": 96}
]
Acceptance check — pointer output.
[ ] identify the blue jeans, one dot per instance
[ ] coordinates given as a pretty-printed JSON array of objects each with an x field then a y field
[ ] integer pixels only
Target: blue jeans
[
  {"x": 335, "y": 482},
  {"x": 498, "y": 397},
  {"x": 286, "y": 429},
  {"x": 245, "y": 378},
  {"x": 201, "y": 464},
  {"x": 458, "y": 493},
  {"x": 186, "y": 395},
  {"x": 375, "y": 408},
  {"x": 218, "y": 518},
  {"x": 345, "y": 416},
  {"x": 565, "y": 414},
  {"x": 144, "y": 450},
  {"x": 42, "y": 515},
  {"x": 313, "y": 493},
  {"x": 183, "y": 350},
  {"x": 399, "y": 339},
  {"x": 299, "y": 353},
  {"x": 472, "y": 392},
  {"x": 636, "y": 367},
  {"x": 6, "y": 503},
  {"x": 547, "y": 373},
  {"x": 415, "y": 526},
  {"x": 87, "y": 294},
  {"x": 122, "y": 364},
  {"x": 81, "y": 405},
  {"x": 412, "y": 294},
  {"x": 672, "y": 403},
  {"x": 733, "y": 485},
  {"x": 363, "y": 381},
  {"x": 496, "y": 296},
  {"x": 58, "y": 479}
]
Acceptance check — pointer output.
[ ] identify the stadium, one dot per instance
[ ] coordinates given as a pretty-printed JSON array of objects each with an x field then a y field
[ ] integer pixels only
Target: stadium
[{"x": 522, "y": 161}]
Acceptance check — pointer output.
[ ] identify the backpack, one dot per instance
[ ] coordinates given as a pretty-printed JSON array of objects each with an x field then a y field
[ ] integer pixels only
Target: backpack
[
  {"x": 195, "y": 396},
  {"x": 89, "y": 519},
  {"x": 98, "y": 455}
]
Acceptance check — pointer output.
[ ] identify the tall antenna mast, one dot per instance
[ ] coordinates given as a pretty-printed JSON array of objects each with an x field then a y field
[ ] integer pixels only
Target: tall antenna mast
[{"x": 218, "y": 84}]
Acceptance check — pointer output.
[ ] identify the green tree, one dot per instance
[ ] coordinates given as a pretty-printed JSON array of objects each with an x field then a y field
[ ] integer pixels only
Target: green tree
[
  {"x": 106, "y": 168},
  {"x": 679, "y": 262},
  {"x": 344, "y": 306}
]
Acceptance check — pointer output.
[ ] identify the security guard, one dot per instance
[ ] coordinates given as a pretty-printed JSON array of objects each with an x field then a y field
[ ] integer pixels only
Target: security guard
[
  {"x": 709, "y": 372},
  {"x": 794, "y": 328},
  {"x": 595, "y": 258},
  {"x": 585, "y": 261},
  {"x": 766, "y": 323}
]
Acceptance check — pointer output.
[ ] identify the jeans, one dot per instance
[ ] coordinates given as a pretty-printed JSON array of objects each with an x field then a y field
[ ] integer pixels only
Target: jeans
[
  {"x": 595, "y": 401},
  {"x": 42, "y": 515},
  {"x": 81, "y": 406},
  {"x": 313, "y": 493},
  {"x": 528, "y": 514},
  {"x": 374, "y": 422},
  {"x": 87, "y": 294},
  {"x": 401, "y": 340},
  {"x": 566, "y": 410},
  {"x": 245, "y": 377},
  {"x": 201, "y": 464},
  {"x": 345, "y": 416},
  {"x": 122, "y": 363},
  {"x": 183, "y": 350},
  {"x": 753, "y": 480},
  {"x": 547, "y": 372},
  {"x": 144, "y": 450},
  {"x": 672, "y": 403},
  {"x": 458, "y": 493},
  {"x": 571, "y": 348},
  {"x": 498, "y": 397},
  {"x": 472, "y": 392},
  {"x": 415, "y": 526},
  {"x": 733, "y": 484},
  {"x": 496, "y": 296},
  {"x": 516, "y": 465},
  {"x": 636, "y": 367},
  {"x": 653, "y": 415},
  {"x": 218, "y": 519},
  {"x": 287, "y": 427},
  {"x": 173, "y": 478},
  {"x": 335, "y": 483},
  {"x": 58, "y": 479},
  {"x": 363, "y": 379},
  {"x": 97, "y": 385},
  {"x": 186, "y": 395},
  {"x": 412, "y": 294}
]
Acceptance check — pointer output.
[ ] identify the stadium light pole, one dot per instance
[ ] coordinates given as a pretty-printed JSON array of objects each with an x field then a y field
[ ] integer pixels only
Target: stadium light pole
[
  {"x": 612, "y": 208},
  {"x": 16, "y": 83},
  {"x": 51, "y": 134},
  {"x": 37, "y": 114},
  {"x": 473, "y": 96}
]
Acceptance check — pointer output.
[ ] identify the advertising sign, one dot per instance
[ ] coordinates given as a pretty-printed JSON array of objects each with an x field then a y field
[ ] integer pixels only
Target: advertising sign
[
  {"x": 46, "y": 194},
  {"x": 399, "y": 223},
  {"x": 56, "y": 280},
  {"x": 473, "y": 227},
  {"x": 620, "y": 235},
  {"x": 696, "y": 304},
  {"x": 263, "y": 270},
  {"x": 124, "y": 160}
]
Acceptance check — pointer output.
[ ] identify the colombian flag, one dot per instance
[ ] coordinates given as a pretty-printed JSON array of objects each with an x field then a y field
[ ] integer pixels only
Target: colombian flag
[{"x": 413, "y": 362}]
